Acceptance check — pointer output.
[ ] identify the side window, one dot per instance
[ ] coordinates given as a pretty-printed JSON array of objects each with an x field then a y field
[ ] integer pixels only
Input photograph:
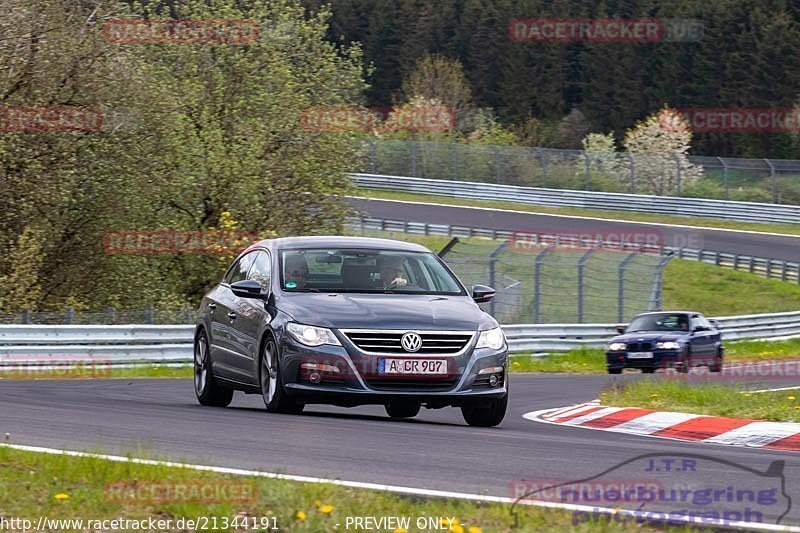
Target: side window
[
  {"x": 238, "y": 271},
  {"x": 261, "y": 271}
]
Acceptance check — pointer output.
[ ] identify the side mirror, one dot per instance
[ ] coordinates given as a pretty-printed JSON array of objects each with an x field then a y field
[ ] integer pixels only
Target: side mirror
[
  {"x": 698, "y": 329},
  {"x": 482, "y": 294},
  {"x": 621, "y": 328},
  {"x": 247, "y": 288}
]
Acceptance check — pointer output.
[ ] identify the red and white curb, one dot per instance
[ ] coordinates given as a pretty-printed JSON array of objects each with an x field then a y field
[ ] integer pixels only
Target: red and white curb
[{"x": 783, "y": 436}]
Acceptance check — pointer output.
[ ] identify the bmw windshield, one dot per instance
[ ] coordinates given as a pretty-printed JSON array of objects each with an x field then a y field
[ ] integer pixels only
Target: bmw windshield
[
  {"x": 366, "y": 271},
  {"x": 667, "y": 322}
]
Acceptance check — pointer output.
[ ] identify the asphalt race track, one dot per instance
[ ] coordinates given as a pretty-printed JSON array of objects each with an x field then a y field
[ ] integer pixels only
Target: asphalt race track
[
  {"x": 783, "y": 247},
  {"x": 436, "y": 450}
]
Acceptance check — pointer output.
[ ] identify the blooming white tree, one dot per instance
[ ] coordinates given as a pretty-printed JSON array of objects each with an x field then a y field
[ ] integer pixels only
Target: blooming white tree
[{"x": 659, "y": 146}]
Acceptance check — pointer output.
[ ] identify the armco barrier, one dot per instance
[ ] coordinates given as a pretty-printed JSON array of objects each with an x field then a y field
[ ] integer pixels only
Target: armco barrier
[
  {"x": 168, "y": 344},
  {"x": 666, "y": 205}
]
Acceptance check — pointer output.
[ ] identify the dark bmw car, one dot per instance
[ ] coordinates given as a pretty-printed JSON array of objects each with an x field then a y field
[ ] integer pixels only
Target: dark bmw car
[
  {"x": 350, "y": 321},
  {"x": 678, "y": 339}
]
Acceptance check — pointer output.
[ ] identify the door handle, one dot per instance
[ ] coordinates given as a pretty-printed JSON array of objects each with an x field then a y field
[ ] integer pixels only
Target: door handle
[
  {"x": 232, "y": 315},
  {"x": 212, "y": 306}
]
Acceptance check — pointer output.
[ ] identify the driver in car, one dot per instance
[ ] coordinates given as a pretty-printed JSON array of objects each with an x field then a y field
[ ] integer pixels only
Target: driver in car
[{"x": 391, "y": 270}]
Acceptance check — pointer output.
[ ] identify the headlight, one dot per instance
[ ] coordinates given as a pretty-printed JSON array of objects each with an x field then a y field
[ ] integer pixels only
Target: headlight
[
  {"x": 616, "y": 346},
  {"x": 669, "y": 345},
  {"x": 312, "y": 335},
  {"x": 491, "y": 338}
]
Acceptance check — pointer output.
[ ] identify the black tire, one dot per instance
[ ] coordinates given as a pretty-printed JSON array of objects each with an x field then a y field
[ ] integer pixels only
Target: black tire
[
  {"x": 486, "y": 416},
  {"x": 716, "y": 366},
  {"x": 269, "y": 375},
  {"x": 615, "y": 371},
  {"x": 650, "y": 370},
  {"x": 206, "y": 388},
  {"x": 402, "y": 409},
  {"x": 685, "y": 362}
]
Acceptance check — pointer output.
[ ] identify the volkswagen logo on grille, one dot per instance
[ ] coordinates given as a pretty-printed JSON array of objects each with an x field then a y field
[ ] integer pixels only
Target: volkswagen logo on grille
[{"x": 411, "y": 342}]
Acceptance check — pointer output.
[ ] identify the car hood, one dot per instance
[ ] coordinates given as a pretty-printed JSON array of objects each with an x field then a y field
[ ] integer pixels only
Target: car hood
[
  {"x": 385, "y": 311},
  {"x": 650, "y": 336}
]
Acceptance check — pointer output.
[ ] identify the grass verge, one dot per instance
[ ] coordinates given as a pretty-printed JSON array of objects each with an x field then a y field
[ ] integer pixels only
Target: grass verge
[
  {"x": 705, "y": 399},
  {"x": 62, "y": 487},
  {"x": 788, "y": 229}
]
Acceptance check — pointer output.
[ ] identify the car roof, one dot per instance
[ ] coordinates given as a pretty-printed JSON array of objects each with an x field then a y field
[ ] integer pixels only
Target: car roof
[
  {"x": 329, "y": 241},
  {"x": 671, "y": 313}
]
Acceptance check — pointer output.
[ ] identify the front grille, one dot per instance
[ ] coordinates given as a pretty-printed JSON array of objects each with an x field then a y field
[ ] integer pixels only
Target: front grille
[
  {"x": 640, "y": 346},
  {"x": 392, "y": 383},
  {"x": 389, "y": 341}
]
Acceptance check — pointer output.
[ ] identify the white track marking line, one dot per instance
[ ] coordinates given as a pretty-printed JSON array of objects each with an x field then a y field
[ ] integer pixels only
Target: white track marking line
[
  {"x": 653, "y": 422},
  {"x": 579, "y": 217},
  {"x": 769, "y": 390},
  {"x": 742, "y": 526},
  {"x": 756, "y": 434}
]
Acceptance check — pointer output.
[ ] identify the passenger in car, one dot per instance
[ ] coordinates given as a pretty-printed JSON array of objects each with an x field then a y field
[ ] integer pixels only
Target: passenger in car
[
  {"x": 295, "y": 271},
  {"x": 391, "y": 271}
]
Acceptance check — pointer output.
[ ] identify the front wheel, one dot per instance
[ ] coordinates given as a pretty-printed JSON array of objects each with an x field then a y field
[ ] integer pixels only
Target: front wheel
[
  {"x": 716, "y": 366},
  {"x": 275, "y": 398},
  {"x": 486, "y": 416},
  {"x": 207, "y": 390},
  {"x": 615, "y": 371}
]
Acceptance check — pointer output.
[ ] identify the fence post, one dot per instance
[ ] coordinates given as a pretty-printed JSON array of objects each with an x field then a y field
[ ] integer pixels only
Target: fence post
[
  {"x": 414, "y": 159},
  {"x": 148, "y": 314},
  {"x": 655, "y": 303},
  {"x": 492, "y": 273},
  {"x": 69, "y": 315},
  {"x": 621, "y": 286},
  {"x": 581, "y": 263},
  {"x": 537, "y": 284},
  {"x": 454, "y": 153},
  {"x": 677, "y": 173},
  {"x": 633, "y": 171},
  {"x": 773, "y": 184},
  {"x": 543, "y": 157},
  {"x": 26, "y": 316},
  {"x": 373, "y": 156},
  {"x": 724, "y": 175},
  {"x": 496, "y": 150},
  {"x": 112, "y": 312},
  {"x": 587, "y": 165}
]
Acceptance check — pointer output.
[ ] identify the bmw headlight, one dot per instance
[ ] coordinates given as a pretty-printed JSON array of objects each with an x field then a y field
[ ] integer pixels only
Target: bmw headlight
[
  {"x": 491, "y": 338},
  {"x": 616, "y": 346},
  {"x": 668, "y": 345},
  {"x": 312, "y": 335}
]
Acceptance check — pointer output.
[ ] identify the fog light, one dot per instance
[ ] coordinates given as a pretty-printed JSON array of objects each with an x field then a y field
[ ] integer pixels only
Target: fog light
[
  {"x": 494, "y": 380},
  {"x": 314, "y": 378}
]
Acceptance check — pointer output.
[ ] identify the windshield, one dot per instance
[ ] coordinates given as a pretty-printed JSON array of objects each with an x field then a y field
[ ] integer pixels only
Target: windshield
[
  {"x": 665, "y": 322},
  {"x": 367, "y": 271}
]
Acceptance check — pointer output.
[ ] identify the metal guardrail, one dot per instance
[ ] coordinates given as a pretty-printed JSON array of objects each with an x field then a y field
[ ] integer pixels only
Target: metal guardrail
[
  {"x": 635, "y": 173},
  {"x": 770, "y": 268},
  {"x": 31, "y": 345},
  {"x": 666, "y": 205}
]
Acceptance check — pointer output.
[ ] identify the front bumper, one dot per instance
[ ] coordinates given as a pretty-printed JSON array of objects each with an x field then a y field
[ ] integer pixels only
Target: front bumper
[
  {"x": 660, "y": 359},
  {"x": 358, "y": 381}
]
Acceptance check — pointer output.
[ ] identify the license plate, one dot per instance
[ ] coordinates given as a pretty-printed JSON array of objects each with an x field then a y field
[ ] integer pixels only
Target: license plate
[
  {"x": 436, "y": 367},
  {"x": 640, "y": 355}
]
